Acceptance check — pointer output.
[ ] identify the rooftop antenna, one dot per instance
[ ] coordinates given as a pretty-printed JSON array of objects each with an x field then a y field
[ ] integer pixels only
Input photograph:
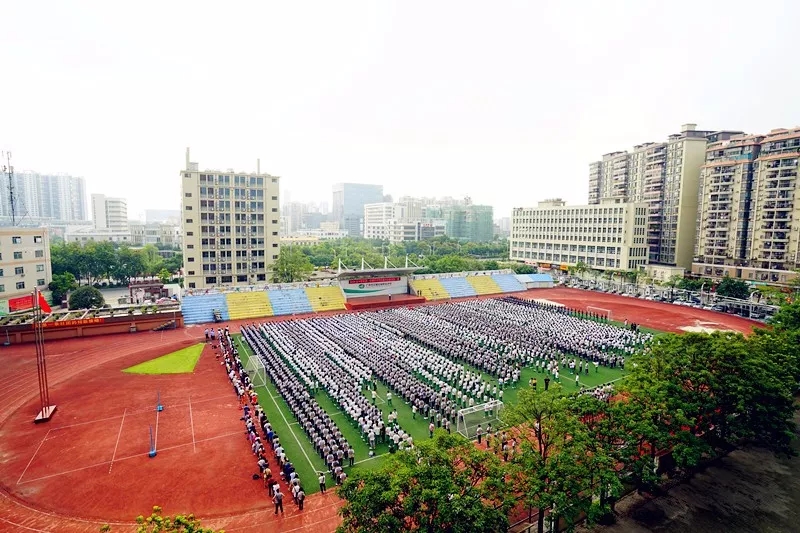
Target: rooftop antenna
[{"x": 9, "y": 171}]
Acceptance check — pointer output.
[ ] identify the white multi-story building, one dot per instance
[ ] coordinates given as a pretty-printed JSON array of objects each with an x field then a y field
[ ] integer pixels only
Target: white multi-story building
[
  {"x": 24, "y": 261},
  {"x": 377, "y": 217},
  {"x": 231, "y": 222},
  {"x": 110, "y": 213},
  {"x": 84, "y": 234},
  {"x": 143, "y": 234},
  {"x": 611, "y": 235}
]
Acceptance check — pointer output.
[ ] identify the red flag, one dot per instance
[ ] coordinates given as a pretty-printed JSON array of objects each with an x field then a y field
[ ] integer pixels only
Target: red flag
[{"x": 43, "y": 303}]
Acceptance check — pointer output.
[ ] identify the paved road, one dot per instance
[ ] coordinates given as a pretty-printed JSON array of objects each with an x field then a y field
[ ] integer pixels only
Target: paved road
[{"x": 747, "y": 492}]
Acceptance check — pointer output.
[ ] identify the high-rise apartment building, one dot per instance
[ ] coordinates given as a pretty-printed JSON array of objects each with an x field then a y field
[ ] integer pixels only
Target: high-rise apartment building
[
  {"x": 666, "y": 176},
  {"x": 749, "y": 214},
  {"x": 230, "y": 224},
  {"x": 110, "y": 213},
  {"x": 610, "y": 235},
  {"x": 45, "y": 198},
  {"x": 349, "y": 200}
]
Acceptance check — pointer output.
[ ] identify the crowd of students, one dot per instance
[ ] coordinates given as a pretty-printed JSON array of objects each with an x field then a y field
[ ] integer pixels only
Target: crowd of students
[
  {"x": 420, "y": 355},
  {"x": 256, "y": 419},
  {"x": 320, "y": 429}
]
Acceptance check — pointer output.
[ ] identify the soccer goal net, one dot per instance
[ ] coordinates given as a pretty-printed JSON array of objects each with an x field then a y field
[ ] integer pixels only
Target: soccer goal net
[
  {"x": 605, "y": 313},
  {"x": 482, "y": 415},
  {"x": 255, "y": 369}
]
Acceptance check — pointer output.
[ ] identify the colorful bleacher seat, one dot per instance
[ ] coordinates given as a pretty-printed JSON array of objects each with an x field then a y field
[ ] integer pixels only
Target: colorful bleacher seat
[
  {"x": 199, "y": 309},
  {"x": 289, "y": 302},
  {"x": 458, "y": 287},
  {"x": 484, "y": 285},
  {"x": 430, "y": 289},
  {"x": 325, "y": 298},
  {"x": 248, "y": 304},
  {"x": 508, "y": 282}
]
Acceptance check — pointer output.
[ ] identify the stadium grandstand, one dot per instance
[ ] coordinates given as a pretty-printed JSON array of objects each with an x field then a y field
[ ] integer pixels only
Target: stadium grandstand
[{"x": 351, "y": 290}]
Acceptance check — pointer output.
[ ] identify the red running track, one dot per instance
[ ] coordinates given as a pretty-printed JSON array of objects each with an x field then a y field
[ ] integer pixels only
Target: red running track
[
  {"x": 89, "y": 465},
  {"x": 655, "y": 315}
]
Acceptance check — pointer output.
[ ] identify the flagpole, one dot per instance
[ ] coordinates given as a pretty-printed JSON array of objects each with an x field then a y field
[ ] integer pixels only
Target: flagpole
[{"x": 47, "y": 410}]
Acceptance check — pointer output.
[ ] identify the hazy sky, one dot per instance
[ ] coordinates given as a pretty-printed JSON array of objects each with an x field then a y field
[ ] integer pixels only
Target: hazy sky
[{"x": 507, "y": 102}]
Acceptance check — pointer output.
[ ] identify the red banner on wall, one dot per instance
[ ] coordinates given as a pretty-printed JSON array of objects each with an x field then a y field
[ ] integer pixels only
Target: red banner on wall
[
  {"x": 24, "y": 303},
  {"x": 372, "y": 280},
  {"x": 73, "y": 323}
]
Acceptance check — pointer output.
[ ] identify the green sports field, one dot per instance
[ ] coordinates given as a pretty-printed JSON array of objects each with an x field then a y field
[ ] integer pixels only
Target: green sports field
[
  {"x": 178, "y": 362},
  {"x": 301, "y": 452}
]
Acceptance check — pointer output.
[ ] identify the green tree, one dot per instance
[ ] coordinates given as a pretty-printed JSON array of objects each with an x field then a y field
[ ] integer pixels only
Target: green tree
[
  {"x": 554, "y": 469},
  {"x": 446, "y": 484},
  {"x": 733, "y": 288},
  {"x": 61, "y": 285},
  {"x": 601, "y": 421},
  {"x": 86, "y": 297},
  {"x": 491, "y": 265},
  {"x": 787, "y": 318},
  {"x": 152, "y": 262},
  {"x": 157, "y": 523},
  {"x": 292, "y": 265},
  {"x": 128, "y": 264},
  {"x": 524, "y": 269},
  {"x": 164, "y": 275},
  {"x": 174, "y": 263}
]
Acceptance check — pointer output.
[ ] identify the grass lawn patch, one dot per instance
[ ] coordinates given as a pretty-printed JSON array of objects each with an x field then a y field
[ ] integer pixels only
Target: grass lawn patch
[{"x": 181, "y": 361}]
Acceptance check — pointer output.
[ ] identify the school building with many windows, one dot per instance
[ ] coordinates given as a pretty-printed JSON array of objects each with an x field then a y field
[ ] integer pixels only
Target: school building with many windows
[
  {"x": 611, "y": 235},
  {"x": 24, "y": 261}
]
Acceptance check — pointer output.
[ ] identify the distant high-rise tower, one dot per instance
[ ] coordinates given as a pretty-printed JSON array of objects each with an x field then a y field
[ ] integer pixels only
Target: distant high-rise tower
[{"x": 349, "y": 200}]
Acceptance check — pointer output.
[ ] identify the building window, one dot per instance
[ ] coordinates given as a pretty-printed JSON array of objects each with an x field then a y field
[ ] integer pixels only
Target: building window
[
  {"x": 17, "y": 255},
  {"x": 39, "y": 268},
  {"x": 19, "y": 271},
  {"x": 40, "y": 282},
  {"x": 16, "y": 240},
  {"x": 188, "y": 208},
  {"x": 20, "y": 285},
  {"x": 187, "y": 195},
  {"x": 189, "y": 221},
  {"x": 37, "y": 239},
  {"x": 191, "y": 285},
  {"x": 275, "y": 233},
  {"x": 274, "y": 256},
  {"x": 191, "y": 272},
  {"x": 190, "y": 246},
  {"x": 274, "y": 244},
  {"x": 274, "y": 209},
  {"x": 274, "y": 197},
  {"x": 189, "y": 233},
  {"x": 38, "y": 253},
  {"x": 2, "y": 288},
  {"x": 191, "y": 259}
]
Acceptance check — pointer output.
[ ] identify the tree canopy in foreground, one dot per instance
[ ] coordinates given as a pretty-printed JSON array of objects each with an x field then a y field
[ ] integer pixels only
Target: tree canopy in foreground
[{"x": 445, "y": 484}]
